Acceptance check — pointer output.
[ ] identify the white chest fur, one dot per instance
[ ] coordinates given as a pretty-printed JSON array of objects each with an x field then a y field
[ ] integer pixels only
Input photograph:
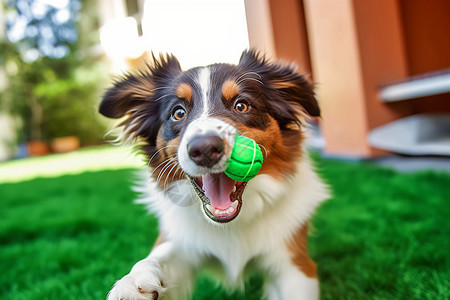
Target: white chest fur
[{"x": 272, "y": 211}]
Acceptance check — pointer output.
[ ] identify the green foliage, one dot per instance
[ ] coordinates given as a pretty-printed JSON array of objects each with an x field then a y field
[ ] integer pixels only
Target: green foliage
[
  {"x": 40, "y": 28},
  {"x": 57, "y": 97},
  {"x": 69, "y": 104}
]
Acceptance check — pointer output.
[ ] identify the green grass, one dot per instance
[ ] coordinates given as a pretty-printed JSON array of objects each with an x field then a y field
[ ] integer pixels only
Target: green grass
[{"x": 384, "y": 235}]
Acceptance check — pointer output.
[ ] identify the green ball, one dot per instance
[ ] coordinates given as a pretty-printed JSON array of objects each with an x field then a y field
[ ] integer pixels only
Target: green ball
[{"x": 245, "y": 161}]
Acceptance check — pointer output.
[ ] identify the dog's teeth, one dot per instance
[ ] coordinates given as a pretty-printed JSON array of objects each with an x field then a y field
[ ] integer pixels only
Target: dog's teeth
[
  {"x": 234, "y": 204},
  {"x": 210, "y": 208},
  {"x": 221, "y": 212},
  {"x": 234, "y": 189}
]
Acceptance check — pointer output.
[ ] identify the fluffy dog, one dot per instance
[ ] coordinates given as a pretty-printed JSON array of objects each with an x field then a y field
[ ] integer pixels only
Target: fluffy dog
[{"x": 186, "y": 123}]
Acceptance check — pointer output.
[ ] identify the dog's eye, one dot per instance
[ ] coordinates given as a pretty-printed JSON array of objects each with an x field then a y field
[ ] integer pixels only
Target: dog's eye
[
  {"x": 241, "y": 106},
  {"x": 178, "y": 113}
]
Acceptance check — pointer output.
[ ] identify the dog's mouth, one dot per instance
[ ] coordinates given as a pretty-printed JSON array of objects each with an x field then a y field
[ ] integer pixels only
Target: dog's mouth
[{"x": 221, "y": 196}]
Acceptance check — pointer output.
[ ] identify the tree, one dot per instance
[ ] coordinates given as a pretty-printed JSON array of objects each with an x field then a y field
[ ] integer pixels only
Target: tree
[
  {"x": 53, "y": 80},
  {"x": 42, "y": 28}
]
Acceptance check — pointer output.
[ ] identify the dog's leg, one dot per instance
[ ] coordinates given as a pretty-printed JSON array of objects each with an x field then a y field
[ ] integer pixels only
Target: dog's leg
[
  {"x": 293, "y": 274},
  {"x": 292, "y": 284},
  {"x": 164, "y": 274}
]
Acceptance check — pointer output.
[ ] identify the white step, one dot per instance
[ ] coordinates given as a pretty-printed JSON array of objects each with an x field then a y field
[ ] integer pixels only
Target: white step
[
  {"x": 426, "y": 134},
  {"x": 417, "y": 86}
]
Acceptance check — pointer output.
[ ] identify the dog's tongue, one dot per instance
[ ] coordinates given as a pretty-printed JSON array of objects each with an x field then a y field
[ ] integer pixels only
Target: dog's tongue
[{"x": 218, "y": 188}]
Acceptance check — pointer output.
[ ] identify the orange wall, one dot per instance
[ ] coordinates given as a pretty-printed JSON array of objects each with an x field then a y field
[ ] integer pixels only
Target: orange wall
[
  {"x": 355, "y": 46},
  {"x": 289, "y": 32},
  {"x": 382, "y": 52},
  {"x": 259, "y": 26},
  {"x": 426, "y": 27},
  {"x": 352, "y": 47}
]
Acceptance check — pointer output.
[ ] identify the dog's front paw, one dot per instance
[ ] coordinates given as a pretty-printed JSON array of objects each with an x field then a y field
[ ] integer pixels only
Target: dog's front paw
[{"x": 144, "y": 282}]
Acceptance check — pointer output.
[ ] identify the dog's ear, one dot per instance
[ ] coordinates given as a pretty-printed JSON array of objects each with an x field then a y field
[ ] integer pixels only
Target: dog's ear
[
  {"x": 131, "y": 91},
  {"x": 128, "y": 91},
  {"x": 286, "y": 91}
]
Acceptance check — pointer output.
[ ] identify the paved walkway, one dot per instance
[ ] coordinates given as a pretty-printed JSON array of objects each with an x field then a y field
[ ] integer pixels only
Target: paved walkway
[{"x": 409, "y": 164}]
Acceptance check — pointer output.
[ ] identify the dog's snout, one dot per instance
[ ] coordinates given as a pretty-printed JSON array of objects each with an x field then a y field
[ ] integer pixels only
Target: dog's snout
[{"x": 206, "y": 151}]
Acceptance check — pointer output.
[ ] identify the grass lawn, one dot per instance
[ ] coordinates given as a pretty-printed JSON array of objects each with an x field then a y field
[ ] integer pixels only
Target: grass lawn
[{"x": 71, "y": 234}]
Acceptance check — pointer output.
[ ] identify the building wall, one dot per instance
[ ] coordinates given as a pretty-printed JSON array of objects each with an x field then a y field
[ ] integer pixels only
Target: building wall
[
  {"x": 352, "y": 48},
  {"x": 426, "y": 27}
]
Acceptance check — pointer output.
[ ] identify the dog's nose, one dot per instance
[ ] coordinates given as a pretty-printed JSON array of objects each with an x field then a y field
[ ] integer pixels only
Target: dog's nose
[{"x": 206, "y": 151}]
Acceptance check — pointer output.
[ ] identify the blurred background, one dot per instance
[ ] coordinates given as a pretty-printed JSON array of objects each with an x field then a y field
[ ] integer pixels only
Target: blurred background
[{"x": 381, "y": 69}]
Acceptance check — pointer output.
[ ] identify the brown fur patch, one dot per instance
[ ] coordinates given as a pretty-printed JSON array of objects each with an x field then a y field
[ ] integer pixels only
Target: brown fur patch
[
  {"x": 281, "y": 150},
  {"x": 230, "y": 89},
  {"x": 298, "y": 248},
  {"x": 144, "y": 89},
  {"x": 184, "y": 91},
  {"x": 283, "y": 84},
  {"x": 141, "y": 88}
]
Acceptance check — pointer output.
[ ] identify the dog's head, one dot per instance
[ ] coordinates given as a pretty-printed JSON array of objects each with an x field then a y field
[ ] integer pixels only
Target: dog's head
[{"x": 187, "y": 122}]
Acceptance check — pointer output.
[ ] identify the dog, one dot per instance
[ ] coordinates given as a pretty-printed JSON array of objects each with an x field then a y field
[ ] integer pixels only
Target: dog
[{"x": 186, "y": 122}]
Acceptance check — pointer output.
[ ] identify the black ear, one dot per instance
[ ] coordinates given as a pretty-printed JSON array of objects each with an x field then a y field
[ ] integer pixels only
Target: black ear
[
  {"x": 286, "y": 90},
  {"x": 132, "y": 90},
  {"x": 128, "y": 92}
]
